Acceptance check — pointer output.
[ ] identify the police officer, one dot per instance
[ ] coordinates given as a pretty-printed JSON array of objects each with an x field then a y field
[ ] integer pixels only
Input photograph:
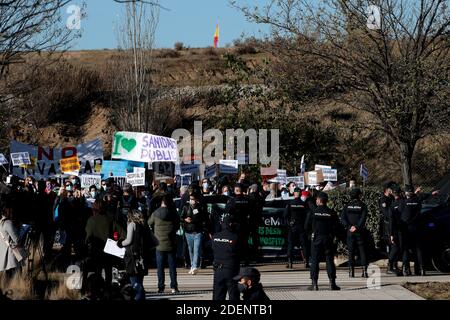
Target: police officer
[
  {"x": 295, "y": 213},
  {"x": 393, "y": 232},
  {"x": 410, "y": 232},
  {"x": 384, "y": 203},
  {"x": 239, "y": 208},
  {"x": 226, "y": 262},
  {"x": 323, "y": 222},
  {"x": 354, "y": 216}
]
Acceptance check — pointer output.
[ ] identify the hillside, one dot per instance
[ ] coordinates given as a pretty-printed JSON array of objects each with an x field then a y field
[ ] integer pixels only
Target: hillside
[{"x": 190, "y": 72}]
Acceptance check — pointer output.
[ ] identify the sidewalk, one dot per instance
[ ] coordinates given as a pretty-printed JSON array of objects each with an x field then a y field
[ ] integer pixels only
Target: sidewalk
[{"x": 284, "y": 284}]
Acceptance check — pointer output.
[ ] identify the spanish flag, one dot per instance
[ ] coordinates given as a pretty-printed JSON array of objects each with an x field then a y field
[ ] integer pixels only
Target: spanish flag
[{"x": 216, "y": 36}]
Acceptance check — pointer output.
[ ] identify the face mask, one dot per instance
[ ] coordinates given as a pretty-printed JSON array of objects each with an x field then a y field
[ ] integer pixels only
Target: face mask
[
  {"x": 69, "y": 188},
  {"x": 242, "y": 287},
  {"x": 192, "y": 202},
  {"x": 227, "y": 193},
  {"x": 303, "y": 198},
  {"x": 205, "y": 185},
  {"x": 93, "y": 194}
]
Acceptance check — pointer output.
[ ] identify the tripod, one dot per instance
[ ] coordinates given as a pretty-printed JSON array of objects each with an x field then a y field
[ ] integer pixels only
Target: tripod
[{"x": 34, "y": 246}]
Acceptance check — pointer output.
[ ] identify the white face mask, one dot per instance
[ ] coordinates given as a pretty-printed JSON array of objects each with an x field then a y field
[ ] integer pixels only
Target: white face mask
[
  {"x": 303, "y": 198},
  {"x": 226, "y": 193},
  {"x": 192, "y": 202},
  {"x": 93, "y": 194}
]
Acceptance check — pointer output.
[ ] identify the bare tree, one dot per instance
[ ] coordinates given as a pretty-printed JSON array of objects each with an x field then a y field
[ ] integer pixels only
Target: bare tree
[
  {"x": 134, "y": 92},
  {"x": 389, "y": 58}
]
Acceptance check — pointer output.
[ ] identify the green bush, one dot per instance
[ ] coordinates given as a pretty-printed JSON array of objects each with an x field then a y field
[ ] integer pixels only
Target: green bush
[{"x": 339, "y": 198}]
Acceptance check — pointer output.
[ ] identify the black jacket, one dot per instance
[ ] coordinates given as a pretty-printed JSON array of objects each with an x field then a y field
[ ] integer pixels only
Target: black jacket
[
  {"x": 225, "y": 246},
  {"x": 296, "y": 213},
  {"x": 323, "y": 221},
  {"x": 199, "y": 218},
  {"x": 256, "y": 294},
  {"x": 354, "y": 214}
]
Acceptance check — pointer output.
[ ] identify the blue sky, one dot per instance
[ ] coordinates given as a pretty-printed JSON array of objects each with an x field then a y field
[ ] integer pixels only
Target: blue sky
[{"x": 189, "y": 21}]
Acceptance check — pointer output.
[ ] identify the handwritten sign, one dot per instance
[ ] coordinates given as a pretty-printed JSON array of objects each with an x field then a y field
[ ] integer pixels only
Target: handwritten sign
[
  {"x": 20, "y": 158},
  {"x": 70, "y": 165}
]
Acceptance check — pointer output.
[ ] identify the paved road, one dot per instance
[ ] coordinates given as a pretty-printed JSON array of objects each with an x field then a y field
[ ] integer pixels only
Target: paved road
[{"x": 283, "y": 284}]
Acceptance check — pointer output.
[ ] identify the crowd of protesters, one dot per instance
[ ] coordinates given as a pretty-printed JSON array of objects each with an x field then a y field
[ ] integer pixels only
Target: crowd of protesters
[{"x": 145, "y": 221}]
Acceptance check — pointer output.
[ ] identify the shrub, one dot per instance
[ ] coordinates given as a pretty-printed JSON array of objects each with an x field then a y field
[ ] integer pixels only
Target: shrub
[
  {"x": 339, "y": 198},
  {"x": 179, "y": 46}
]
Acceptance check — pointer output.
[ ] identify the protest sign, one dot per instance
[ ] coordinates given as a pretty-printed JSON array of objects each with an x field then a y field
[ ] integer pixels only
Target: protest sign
[
  {"x": 320, "y": 166},
  {"x": 137, "y": 178},
  {"x": 242, "y": 158},
  {"x": 70, "y": 165},
  {"x": 186, "y": 179},
  {"x": 281, "y": 176},
  {"x": 364, "y": 172},
  {"x": 144, "y": 147},
  {"x": 20, "y": 158},
  {"x": 114, "y": 169},
  {"x": 228, "y": 166},
  {"x": 211, "y": 171},
  {"x": 3, "y": 159},
  {"x": 329, "y": 174},
  {"x": 190, "y": 168},
  {"x": 313, "y": 178},
  {"x": 88, "y": 180},
  {"x": 90, "y": 154},
  {"x": 298, "y": 180}
]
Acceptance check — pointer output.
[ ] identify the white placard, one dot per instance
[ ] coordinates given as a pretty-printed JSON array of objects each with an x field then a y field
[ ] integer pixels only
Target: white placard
[
  {"x": 298, "y": 180},
  {"x": 88, "y": 180},
  {"x": 329, "y": 174},
  {"x": 281, "y": 176},
  {"x": 112, "y": 249},
  {"x": 320, "y": 167},
  {"x": 137, "y": 178},
  {"x": 20, "y": 158}
]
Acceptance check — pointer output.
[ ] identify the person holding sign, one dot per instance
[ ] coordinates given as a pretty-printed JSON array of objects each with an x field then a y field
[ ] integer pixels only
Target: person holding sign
[
  {"x": 354, "y": 216},
  {"x": 296, "y": 213}
]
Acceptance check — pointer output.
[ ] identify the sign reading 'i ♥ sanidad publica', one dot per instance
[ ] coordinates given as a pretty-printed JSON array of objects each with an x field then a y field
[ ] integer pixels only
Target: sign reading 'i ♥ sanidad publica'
[{"x": 144, "y": 147}]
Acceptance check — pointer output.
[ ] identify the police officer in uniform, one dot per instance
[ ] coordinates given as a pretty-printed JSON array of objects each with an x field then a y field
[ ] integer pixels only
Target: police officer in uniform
[
  {"x": 393, "y": 232},
  {"x": 354, "y": 216},
  {"x": 384, "y": 203},
  {"x": 239, "y": 208},
  {"x": 323, "y": 222},
  {"x": 410, "y": 232},
  {"x": 295, "y": 214},
  {"x": 226, "y": 261}
]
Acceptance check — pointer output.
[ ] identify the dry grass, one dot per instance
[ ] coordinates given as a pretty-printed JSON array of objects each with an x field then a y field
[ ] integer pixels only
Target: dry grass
[{"x": 430, "y": 290}]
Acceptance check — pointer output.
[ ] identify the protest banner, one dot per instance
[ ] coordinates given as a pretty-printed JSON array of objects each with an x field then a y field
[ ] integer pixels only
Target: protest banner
[
  {"x": 90, "y": 154},
  {"x": 329, "y": 175},
  {"x": 20, "y": 158},
  {"x": 320, "y": 166},
  {"x": 313, "y": 178},
  {"x": 137, "y": 178},
  {"x": 144, "y": 147},
  {"x": 88, "y": 180},
  {"x": 3, "y": 159},
  {"x": 186, "y": 179},
  {"x": 228, "y": 166},
  {"x": 70, "y": 165},
  {"x": 298, "y": 180},
  {"x": 211, "y": 171}
]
